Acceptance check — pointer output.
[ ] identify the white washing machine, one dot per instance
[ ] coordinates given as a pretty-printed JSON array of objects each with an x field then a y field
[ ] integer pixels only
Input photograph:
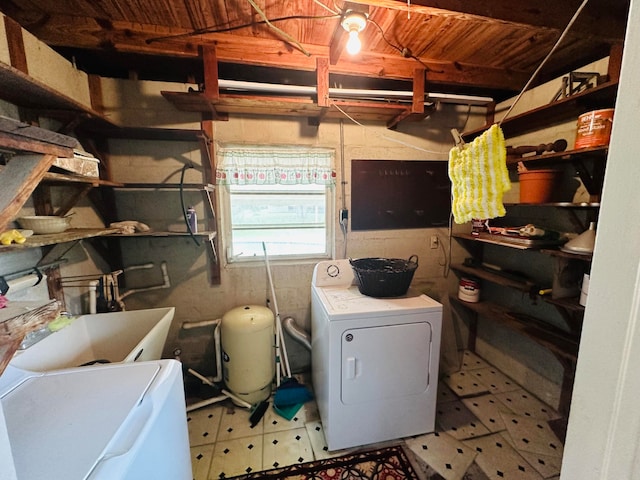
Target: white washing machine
[{"x": 374, "y": 360}]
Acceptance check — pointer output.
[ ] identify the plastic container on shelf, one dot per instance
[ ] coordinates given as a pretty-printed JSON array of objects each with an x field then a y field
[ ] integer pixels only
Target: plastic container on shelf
[
  {"x": 538, "y": 186},
  {"x": 594, "y": 128}
]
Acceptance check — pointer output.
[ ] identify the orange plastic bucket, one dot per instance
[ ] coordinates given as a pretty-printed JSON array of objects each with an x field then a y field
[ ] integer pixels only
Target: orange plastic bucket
[
  {"x": 594, "y": 128},
  {"x": 538, "y": 186}
]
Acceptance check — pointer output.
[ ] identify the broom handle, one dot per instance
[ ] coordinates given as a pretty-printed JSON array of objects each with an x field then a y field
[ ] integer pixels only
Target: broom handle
[{"x": 280, "y": 345}]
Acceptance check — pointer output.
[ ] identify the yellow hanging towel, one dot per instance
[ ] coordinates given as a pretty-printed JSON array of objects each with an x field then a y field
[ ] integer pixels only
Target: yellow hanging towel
[{"x": 479, "y": 177}]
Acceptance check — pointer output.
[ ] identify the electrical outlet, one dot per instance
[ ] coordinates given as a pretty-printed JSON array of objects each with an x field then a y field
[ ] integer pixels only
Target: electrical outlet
[{"x": 434, "y": 241}]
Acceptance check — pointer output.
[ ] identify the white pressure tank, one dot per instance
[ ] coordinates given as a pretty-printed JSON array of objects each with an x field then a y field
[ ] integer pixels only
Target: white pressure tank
[{"x": 248, "y": 352}]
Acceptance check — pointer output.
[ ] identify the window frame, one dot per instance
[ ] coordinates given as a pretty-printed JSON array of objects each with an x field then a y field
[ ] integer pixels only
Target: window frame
[{"x": 224, "y": 200}]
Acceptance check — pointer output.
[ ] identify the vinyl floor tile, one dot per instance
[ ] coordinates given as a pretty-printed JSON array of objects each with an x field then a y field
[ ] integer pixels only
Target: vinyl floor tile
[
  {"x": 487, "y": 409},
  {"x": 523, "y": 403},
  {"x": 286, "y": 448},
  {"x": 464, "y": 384},
  {"x": 499, "y": 460},
  {"x": 201, "y": 461},
  {"x": 235, "y": 457},
  {"x": 449, "y": 457},
  {"x": 458, "y": 421},
  {"x": 471, "y": 361},
  {"x": 533, "y": 435},
  {"x": 545, "y": 465},
  {"x": 495, "y": 380},
  {"x": 235, "y": 424},
  {"x": 445, "y": 394},
  {"x": 203, "y": 425}
]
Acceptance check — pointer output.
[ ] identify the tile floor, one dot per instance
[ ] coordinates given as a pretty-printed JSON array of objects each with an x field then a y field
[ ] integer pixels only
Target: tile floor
[{"x": 487, "y": 427}]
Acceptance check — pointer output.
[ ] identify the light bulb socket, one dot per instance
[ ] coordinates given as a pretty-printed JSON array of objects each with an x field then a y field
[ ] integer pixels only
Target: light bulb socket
[{"x": 354, "y": 21}]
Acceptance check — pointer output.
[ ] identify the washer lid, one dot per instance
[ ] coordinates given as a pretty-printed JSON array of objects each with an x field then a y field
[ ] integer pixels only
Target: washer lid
[
  {"x": 345, "y": 303},
  {"x": 61, "y": 422}
]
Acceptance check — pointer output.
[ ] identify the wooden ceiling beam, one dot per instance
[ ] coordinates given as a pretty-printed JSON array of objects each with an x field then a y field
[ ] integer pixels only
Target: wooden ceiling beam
[{"x": 269, "y": 52}]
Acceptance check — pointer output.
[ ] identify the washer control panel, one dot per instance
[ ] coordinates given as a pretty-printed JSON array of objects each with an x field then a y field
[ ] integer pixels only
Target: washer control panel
[{"x": 333, "y": 273}]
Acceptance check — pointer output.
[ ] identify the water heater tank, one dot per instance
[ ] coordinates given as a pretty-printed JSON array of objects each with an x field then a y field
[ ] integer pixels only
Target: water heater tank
[{"x": 248, "y": 355}]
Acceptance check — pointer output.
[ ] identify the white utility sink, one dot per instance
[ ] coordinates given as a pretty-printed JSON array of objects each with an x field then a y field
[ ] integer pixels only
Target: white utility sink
[{"x": 131, "y": 336}]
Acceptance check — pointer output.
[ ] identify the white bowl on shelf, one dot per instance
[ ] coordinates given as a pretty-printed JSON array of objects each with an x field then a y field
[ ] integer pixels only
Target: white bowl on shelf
[{"x": 45, "y": 224}]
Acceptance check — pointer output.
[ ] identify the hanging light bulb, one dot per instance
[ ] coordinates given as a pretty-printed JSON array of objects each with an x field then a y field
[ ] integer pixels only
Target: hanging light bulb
[
  {"x": 354, "y": 44},
  {"x": 354, "y": 23}
]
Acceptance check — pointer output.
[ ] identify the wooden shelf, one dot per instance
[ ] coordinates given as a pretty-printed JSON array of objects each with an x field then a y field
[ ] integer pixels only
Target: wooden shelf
[
  {"x": 559, "y": 157},
  {"x": 146, "y": 133},
  {"x": 569, "y": 205},
  {"x": 506, "y": 241},
  {"x": 70, "y": 235},
  {"x": 22, "y": 90},
  {"x": 560, "y": 343},
  {"x": 602, "y": 96},
  {"x": 166, "y": 186},
  {"x": 65, "y": 179},
  {"x": 205, "y": 235},
  {"x": 569, "y": 255},
  {"x": 504, "y": 279},
  {"x": 570, "y": 304},
  {"x": 225, "y": 104}
]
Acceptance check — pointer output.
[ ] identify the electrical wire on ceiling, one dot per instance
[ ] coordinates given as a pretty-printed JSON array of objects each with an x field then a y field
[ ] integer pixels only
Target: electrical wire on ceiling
[
  {"x": 218, "y": 29},
  {"x": 404, "y": 51}
]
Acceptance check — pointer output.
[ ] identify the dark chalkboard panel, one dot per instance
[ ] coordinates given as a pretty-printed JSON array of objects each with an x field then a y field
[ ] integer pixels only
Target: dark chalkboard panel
[{"x": 398, "y": 194}]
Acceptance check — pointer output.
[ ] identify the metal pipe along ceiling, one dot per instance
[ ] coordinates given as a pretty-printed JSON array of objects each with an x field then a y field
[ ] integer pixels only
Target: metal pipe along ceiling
[{"x": 240, "y": 85}]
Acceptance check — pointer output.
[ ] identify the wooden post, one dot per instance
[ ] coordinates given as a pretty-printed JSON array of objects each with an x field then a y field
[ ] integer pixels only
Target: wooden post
[{"x": 322, "y": 76}]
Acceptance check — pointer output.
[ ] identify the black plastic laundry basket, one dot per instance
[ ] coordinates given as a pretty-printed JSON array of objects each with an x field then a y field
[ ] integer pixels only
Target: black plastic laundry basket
[{"x": 384, "y": 277}]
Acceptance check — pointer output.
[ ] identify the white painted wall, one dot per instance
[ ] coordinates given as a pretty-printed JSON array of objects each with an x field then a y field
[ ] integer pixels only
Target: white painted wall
[{"x": 604, "y": 425}]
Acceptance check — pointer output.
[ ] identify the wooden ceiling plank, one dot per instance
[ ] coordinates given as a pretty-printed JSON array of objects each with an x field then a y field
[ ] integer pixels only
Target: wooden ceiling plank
[{"x": 602, "y": 18}]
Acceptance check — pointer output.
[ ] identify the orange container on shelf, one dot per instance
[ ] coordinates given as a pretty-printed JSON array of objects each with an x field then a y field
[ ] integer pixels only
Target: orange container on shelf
[
  {"x": 538, "y": 186},
  {"x": 594, "y": 128}
]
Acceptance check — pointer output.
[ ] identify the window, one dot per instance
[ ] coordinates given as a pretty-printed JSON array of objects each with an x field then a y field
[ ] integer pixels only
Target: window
[{"x": 281, "y": 197}]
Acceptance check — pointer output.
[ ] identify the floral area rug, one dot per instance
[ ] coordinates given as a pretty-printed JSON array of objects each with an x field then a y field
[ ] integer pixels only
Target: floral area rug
[{"x": 389, "y": 463}]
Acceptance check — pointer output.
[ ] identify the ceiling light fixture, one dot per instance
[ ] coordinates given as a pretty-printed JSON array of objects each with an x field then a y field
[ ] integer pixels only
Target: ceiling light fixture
[{"x": 354, "y": 23}]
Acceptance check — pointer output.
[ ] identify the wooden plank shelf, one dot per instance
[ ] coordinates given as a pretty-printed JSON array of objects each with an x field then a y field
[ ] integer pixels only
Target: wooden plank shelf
[
  {"x": 560, "y": 343},
  {"x": 568, "y": 255},
  {"x": 157, "y": 234},
  {"x": 602, "y": 96},
  {"x": 570, "y": 304},
  {"x": 506, "y": 241},
  {"x": 503, "y": 279},
  {"x": 23, "y": 90},
  {"x": 73, "y": 234},
  {"x": 65, "y": 179},
  {"x": 559, "y": 157}
]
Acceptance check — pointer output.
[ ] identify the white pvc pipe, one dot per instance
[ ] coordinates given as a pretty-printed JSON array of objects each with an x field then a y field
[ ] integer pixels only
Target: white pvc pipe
[
  {"x": 93, "y": 286},
  {"x": 349, "y": 92},
  {"x": 216, "y": 341}
]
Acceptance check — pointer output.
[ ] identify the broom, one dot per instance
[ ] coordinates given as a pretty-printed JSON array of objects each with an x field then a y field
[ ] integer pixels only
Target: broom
[{"x": 290, "y": 395}]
